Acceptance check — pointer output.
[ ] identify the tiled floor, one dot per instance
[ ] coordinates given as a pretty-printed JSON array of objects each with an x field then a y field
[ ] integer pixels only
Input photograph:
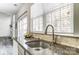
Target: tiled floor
[{"x": 6, "y": 46}]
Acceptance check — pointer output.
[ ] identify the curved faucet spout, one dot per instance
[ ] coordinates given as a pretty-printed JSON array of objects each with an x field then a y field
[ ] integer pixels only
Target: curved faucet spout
[{"x": 53, "y": 40}]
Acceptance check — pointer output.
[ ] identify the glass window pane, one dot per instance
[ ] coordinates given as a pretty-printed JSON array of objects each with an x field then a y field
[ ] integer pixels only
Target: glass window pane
[
  {"x": 38, "y": 24},
  {"x": 48, "y": 19}
]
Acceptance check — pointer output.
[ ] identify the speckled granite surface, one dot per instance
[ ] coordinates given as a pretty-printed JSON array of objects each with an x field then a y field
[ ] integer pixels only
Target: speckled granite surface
[
  {"x": 56, "y": 49},
  {"x": 6, "y": 46},
  {"x": 65, "y": 50}
]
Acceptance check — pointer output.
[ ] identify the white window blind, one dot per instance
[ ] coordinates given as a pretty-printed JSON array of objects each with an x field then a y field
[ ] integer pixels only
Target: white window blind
[
  {"x": 37, "y": 18},
  {"x": 60, "y": 15},
  {"x": 38, "y": 24},
  {"x": 22, "y": 28},
  {"x": 61, "y": 19}
]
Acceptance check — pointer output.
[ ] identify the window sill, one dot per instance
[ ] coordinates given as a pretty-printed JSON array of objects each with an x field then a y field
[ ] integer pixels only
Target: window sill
[
  {"x": 60, "y": 34},
  {"x": 68, "y": 35}
]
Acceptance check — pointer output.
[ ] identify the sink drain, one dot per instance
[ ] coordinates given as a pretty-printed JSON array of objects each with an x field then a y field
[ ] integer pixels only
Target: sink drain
[{"x": 38, "y": 49}]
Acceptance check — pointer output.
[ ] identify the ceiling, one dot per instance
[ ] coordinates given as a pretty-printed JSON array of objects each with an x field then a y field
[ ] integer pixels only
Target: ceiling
[{"x": 7, "y": 9}]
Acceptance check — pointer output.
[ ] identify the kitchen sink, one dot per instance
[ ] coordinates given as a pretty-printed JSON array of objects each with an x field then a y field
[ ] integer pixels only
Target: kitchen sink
[
  {"x": 38, "y": 43},
  {"x": 39, "y": 47}
]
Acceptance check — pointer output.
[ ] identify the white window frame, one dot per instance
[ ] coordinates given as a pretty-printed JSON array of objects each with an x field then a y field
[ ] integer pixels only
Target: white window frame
[
  {"x": 20, "y": 28},
  {"x": 37, "y": 24}
]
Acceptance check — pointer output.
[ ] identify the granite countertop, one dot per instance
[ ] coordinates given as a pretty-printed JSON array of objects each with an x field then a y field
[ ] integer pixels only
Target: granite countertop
[{"x": 56, "y": 49}]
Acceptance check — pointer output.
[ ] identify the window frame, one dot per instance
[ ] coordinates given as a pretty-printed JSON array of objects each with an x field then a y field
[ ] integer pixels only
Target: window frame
[
  {"x": 38, "y": 21},
  {"x": 21, "y": 24}
]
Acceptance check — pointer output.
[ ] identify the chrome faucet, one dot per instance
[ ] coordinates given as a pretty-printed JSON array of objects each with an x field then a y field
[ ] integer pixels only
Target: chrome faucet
[{"x": 53, "y": 40}]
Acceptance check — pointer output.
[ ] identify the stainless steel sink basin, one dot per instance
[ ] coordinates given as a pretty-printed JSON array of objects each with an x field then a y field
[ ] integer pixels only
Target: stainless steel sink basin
[
  {"x": 38, "y": 43},
  {"x": 39, "y": 47}
]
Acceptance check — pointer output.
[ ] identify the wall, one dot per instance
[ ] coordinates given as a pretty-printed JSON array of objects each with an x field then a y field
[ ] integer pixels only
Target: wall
[
  {"x": 4, "y": 26},
  {"x": 76, "y": 18},
  {"x": 12, "y": 31}
]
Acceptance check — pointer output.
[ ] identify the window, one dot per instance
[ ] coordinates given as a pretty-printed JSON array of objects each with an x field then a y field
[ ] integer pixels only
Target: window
[
  {"x": 58, "y": 15},
  {"x": 22, "y": 28},
  {"x": 37, "y": 17},
  {"x": 38, "y": 24},
  {"x": 67, "y": 19},
  {"x": 61, "y": 19},
  {"x": 49, "y": 21}
]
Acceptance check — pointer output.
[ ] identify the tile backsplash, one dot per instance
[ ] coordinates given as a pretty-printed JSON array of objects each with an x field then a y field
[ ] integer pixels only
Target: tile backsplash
[{"x": 64, "y": 40}]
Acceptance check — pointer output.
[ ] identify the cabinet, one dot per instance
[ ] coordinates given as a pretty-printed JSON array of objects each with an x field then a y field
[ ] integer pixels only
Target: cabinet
[
  {"x": 22, "y": 51},
  {"x": 19, "y": 49},
  {"x": 15, "y": 47}
]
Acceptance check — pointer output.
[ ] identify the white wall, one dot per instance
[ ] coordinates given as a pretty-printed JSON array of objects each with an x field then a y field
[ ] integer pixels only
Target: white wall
[
  {"x": 76, "y": 18},
  {"x": 4, "y": 26}
]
